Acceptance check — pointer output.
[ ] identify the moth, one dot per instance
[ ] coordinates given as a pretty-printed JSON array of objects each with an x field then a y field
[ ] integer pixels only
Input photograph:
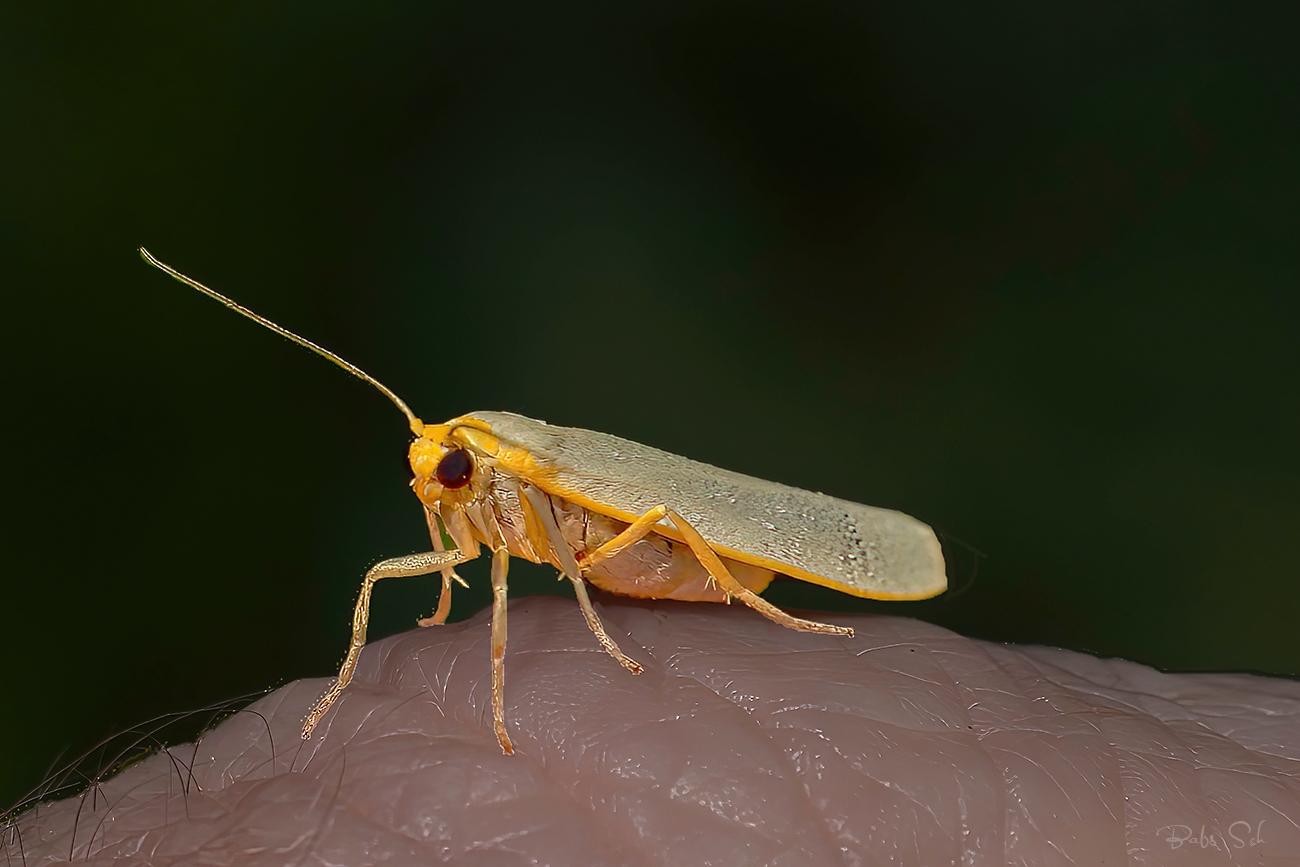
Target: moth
[{"x": 623, "y": 517}]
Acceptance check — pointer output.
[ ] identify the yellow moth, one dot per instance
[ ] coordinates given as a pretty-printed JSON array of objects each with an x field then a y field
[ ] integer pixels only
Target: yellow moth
[{"x": 623, "y": 517}]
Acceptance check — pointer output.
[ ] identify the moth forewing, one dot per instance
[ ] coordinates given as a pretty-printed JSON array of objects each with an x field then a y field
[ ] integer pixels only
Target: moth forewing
[{"x": 861, "y": 550}]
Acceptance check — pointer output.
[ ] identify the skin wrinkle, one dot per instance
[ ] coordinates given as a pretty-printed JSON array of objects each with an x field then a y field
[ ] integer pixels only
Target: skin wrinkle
[
  {"x": 1048, "y": 774},
  {"x": 433, "y": 684},
  {"x": 1093, "y": 787},
  {"x": 599, "y": 750},
  {"x": 884, "y": 784},
  {"x": 787, "y": 759},
  {"x": 330, "y": 814},
  {"x": 1278, "y": 814},
  {"x": 1138, "y": 706},
  {"x": 824, "y": 825},
  {"x": 681, "y": 786}
]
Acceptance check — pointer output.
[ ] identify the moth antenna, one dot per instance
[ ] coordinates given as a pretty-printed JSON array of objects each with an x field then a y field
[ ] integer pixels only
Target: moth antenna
[{"x": 417, "y": 426}]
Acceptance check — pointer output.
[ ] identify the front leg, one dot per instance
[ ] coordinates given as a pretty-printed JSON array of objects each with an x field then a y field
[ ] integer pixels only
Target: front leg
[
  {"x": 398, "y": 567},
  {"x": 439, "y": 615}
]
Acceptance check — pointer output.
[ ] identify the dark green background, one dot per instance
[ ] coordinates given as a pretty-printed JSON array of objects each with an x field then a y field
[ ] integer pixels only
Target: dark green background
[{"x": 1027, "y": 271}]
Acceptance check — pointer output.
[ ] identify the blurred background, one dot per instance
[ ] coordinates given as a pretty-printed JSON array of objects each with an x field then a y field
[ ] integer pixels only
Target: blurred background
[{"x": 1025, "y": 271}]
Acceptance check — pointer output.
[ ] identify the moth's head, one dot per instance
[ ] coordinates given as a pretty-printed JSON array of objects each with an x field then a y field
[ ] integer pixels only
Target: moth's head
[{"x": 448, "y": 464}]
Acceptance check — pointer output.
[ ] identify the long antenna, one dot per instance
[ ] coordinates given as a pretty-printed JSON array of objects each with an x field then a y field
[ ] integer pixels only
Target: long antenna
[{"x": 417, "y": 426}]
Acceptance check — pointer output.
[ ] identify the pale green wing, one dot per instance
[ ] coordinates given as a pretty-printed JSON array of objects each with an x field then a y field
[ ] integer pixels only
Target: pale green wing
[{"x": 857, "y": 549}]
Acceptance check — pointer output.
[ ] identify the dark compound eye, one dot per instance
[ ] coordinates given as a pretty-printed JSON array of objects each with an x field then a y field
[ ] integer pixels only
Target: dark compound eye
[{"x": 455, "y": 469}]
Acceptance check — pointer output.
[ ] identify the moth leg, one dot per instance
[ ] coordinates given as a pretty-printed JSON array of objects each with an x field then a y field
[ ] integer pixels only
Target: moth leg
[
  {"x": 571, "y": 569},
  {"x": 593, "y": 622},
  {"x": 500, "y": 565},
  {"x": 627, "y": 537},
  {"x": 398, "y": 567},
  {"x": 713, "y": 564},
  {"x": 439, "y": 616}
]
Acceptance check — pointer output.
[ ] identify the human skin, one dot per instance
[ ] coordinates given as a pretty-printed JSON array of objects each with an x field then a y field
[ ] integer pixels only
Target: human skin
[{"x": 741, "y": 743}]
